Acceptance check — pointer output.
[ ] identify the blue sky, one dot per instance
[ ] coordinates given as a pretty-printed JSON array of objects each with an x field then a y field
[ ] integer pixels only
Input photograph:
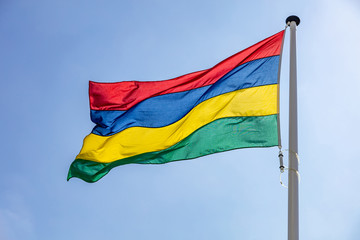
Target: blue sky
[{"x": 51, "y": 49}]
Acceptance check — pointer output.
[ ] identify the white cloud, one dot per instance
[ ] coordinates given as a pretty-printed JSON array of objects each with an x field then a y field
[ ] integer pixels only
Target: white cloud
[
  {"x": 329, "y": 82},
  {"x": 15, "y": 219}
]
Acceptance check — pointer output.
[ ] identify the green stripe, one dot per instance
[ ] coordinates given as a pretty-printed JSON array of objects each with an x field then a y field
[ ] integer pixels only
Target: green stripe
[{"x": 218, "y": 136}]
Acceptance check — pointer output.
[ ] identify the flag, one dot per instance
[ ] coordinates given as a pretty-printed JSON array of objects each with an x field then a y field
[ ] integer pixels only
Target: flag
[{"x": 229, "y": 106}]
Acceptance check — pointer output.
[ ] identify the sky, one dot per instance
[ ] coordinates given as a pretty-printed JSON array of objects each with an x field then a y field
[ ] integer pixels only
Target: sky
[{"x": 51, "y": 49}]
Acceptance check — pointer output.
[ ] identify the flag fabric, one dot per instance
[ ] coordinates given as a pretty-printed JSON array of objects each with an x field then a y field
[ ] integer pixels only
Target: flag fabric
[{"x": 229, "y": 106}]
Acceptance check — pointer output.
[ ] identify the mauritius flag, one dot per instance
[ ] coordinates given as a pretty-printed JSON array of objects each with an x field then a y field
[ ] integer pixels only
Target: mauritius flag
[{"x": 229, "y": 106}]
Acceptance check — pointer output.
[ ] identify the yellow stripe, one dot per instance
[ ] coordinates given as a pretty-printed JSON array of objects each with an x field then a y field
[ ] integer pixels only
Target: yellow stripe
[{"x": 257, "y": 101}]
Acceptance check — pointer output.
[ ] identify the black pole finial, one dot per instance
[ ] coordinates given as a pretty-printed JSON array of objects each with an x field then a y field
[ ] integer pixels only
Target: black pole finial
[{"x": 291, "y": 18}]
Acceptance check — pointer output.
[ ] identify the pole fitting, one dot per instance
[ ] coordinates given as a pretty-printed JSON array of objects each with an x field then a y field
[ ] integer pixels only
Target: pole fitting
[
  {"x": 282, "y": 168},
  {"x": 292, "y": 18}
]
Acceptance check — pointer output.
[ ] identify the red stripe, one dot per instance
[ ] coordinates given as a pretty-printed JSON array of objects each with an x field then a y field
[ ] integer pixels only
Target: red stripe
[{"x": 124, "y": 95}]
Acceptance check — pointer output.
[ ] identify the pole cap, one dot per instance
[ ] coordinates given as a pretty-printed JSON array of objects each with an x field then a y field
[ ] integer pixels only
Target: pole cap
[{"x": 291, "y": 18}]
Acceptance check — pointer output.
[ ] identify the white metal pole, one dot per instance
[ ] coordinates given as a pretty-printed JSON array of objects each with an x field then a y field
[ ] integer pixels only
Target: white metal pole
[{"x": 293, "y": 191}]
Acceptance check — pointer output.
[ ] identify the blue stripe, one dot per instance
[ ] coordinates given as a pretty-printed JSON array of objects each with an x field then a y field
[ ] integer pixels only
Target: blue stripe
[{"x": 166, "y": 109}]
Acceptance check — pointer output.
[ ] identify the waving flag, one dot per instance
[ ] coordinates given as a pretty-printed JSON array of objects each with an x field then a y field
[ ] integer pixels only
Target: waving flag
[{"x": 229, "y": 106}]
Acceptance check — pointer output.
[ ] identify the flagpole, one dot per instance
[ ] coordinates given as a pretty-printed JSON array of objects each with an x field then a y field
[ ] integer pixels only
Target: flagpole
[{"x": 293, "y": 191}]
